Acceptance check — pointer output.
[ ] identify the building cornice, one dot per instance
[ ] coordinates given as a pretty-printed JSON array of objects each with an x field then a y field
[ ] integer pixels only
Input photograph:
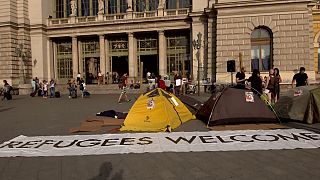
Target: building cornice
[{"x": 234, "y": 4}]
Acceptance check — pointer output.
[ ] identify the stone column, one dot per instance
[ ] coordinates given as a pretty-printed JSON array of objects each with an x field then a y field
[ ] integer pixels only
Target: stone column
[
  {"x": 51, "y": 65},
  {"x": 132, "y": 58},
  {"x": 108, "y": 65},
  {"x": 75, "y": 61},
  {"x": 102, "y": 56},
  {"x": 162, "y": 54}
]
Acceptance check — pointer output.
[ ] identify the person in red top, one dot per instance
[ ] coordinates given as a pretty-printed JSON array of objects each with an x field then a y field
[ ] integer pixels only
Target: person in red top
[{"x": 161, "y": 83}]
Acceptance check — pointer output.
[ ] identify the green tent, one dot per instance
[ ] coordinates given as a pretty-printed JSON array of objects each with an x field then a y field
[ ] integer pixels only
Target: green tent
[{"x": 300, "y": 104}]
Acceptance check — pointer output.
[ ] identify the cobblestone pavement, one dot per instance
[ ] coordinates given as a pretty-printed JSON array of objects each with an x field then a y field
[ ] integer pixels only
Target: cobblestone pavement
[{"x": 37, "y": 116}]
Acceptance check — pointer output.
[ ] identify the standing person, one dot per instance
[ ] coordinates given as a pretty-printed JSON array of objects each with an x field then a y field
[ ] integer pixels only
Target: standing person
[
  {"x": 69, "y": 87},
  {"x": 271, "y": 86},
  {"x": 45, "y": 89},
  {"x": 161, "y": 83},
  {"x": 6, "y": 90},
  {"x": 78, "y": 78},
  {"x": 241, "y": 78},
  {"x": 148, "y": 75},
  {"x": 82, "y": 87},
  {"x": 52, "y": 88},
  {"x": 300, "y": 78},
  {"x": 100, "y": 78},
  {"x": 278, "y": 81},
  {"x": 256, "y": 82},
  {"x": 178, "y": 83},
  {"x": 123, "y": 87}
]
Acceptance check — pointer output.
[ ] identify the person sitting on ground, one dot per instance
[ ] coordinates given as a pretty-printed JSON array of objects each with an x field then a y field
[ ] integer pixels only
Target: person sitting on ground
[
  {"x": 300, "y": 78},
  {"x": 241, "y": 78},
  {"x": 256, "y": 82},
  {"x": 6, "y": 90}
]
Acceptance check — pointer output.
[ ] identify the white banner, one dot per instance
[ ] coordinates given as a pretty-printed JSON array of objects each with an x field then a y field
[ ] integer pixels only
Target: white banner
[{"x": 159, "y": 142}]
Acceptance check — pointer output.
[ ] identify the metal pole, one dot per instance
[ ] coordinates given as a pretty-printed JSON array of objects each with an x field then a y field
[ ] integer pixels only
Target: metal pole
[
  {"x": 141, "y": 76},
  {"x": 198, "y": 74}
]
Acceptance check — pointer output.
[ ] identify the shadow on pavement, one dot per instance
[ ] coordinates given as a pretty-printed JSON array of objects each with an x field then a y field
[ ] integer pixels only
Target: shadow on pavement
[
  {"x": 106, "y": 171},
  {"x": 6, "y": 109}
]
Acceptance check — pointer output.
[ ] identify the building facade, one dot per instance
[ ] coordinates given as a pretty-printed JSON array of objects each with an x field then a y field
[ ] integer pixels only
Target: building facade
[{"x": 57, "y": 39}]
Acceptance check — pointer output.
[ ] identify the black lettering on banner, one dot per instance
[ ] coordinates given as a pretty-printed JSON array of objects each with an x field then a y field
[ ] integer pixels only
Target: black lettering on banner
[
  {"x": 182, "y": 138},
  {"x": 311, "y": 136},
  {"x": 145, "y": 141},
  {"x": 235, "y": 139},
  {"x": 45, "y": 142},
  {"x": 205, "y": 139},
  {"x": 222, "y": 140},
  {"x": 92, "y": 142},
  {"x": 11, "y": 144},
  {"x": 294, "y": 137},
  {"x": 127, "y": 140},
  {"x": 57, "y": 145},
  {"x": 29, "y": 143},
  {"x": 108, "y": 142},
  {"x": 275, "y": 138}
]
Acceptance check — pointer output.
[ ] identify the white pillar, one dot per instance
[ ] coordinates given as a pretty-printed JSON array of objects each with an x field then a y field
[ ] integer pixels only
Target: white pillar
[
  {"x": 102, "y": 56},
  {"x": 162, "y": 54},
  {"x": 51, "y": 65},
  {"x": 108, "y": 65},
  {"x": 132, "y": 57},
  {"x": 75, "y": 64}
]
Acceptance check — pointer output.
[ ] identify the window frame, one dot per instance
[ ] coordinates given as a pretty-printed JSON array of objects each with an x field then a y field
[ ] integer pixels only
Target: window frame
[{"x": 260, "y": 42}]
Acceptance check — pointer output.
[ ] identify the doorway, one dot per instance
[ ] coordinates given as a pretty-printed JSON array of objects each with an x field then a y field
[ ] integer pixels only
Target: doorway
[
  {"x": 150, "y": 64},
  {"x": 120, "y": 65},
  {"x": 92, "y": 67}
]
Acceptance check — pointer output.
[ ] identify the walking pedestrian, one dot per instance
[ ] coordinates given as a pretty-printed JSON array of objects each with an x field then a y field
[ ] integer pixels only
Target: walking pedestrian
[{"x": 123, "y": 87}]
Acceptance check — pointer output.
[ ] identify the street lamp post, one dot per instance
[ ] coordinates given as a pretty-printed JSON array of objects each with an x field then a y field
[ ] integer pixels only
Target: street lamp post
[
  {"x": 24, "y": 56},
  {"x": 196, "y": 46}
]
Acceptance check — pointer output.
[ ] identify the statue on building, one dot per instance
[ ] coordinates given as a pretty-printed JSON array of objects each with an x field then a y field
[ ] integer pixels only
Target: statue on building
[
  {"x": 101, "y": 7},
  {"x": 162, "y": 4},
  {"x": 73, "y": 6}
]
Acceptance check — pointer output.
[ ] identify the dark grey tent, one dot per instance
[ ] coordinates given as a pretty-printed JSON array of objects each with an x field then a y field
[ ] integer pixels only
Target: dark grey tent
[
  {"x": 235, "y": 106},
  {"x": 301, "y": 104}
]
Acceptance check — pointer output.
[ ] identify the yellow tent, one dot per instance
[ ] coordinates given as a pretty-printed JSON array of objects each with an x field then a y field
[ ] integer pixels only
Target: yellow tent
[{"x": 156, "y": 110}]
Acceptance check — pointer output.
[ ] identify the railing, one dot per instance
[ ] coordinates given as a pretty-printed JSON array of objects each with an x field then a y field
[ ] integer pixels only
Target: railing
[
  {"x": 145, "y": 14},
  {"x": 112, "y": 17}
]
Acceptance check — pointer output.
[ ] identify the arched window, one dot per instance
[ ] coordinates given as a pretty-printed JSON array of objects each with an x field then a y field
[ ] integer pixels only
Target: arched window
[{"x": 261, "y": 49}]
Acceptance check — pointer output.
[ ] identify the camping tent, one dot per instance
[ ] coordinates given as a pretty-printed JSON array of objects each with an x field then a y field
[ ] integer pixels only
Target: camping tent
[
  {"x": 156, "y": 110},
  {"x": 301, "y": 103},
  {"x": 232, "y": 106}
]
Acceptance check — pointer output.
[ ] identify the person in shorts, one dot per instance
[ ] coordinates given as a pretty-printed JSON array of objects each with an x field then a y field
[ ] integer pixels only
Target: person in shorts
[{"x": 123, "y": 87}]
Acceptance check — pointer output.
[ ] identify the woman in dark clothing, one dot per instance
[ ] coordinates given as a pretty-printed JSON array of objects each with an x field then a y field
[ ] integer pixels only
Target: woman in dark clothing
[
  {"x": 278, "y": 81},
  {"x": 256, "y": 82},
  {"x": 271, "y": 86}
]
